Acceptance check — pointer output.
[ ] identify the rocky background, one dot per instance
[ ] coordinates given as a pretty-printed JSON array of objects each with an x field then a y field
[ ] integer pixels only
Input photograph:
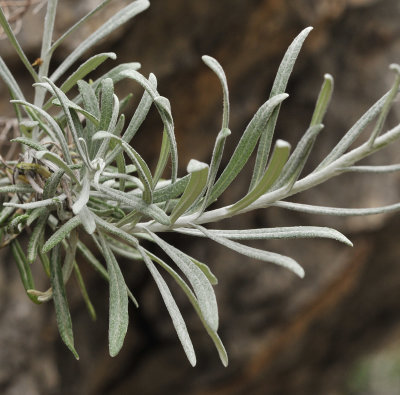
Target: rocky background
[{"x": 335, "y": 332}]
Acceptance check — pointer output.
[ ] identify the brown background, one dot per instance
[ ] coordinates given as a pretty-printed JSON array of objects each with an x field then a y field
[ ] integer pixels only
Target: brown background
[{"x": 335, "y": 332}]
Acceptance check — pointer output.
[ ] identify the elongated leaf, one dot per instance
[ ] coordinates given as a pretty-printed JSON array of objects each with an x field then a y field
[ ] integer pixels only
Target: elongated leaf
[
  {"x": 323, "y": 100},
  {"x": 118, "y": 310},
  {"x": 30, "y": 143},
  {"x": 36, "y": 204},
  {"x": 198, "y": 178},
  {"x": 213, "y": 334},
  {"x": 199, "y": 281},
  {"x": 14, "y": 42},
  {"x": 246, "y": 145},
  {"x": 293, "y": 232},
  {"x": 17, "y": 188},
  {"x": 214, "y": 65},
  {"x": 297, "y": 160},
  {"x": 279, "y": 86},
  {"x": 52, "y": 157},
  {"x": 104, "y": 30},
  {"x": 373, "y": 169},
  {"x": 60, "y": 234},
  {"x": 9, "y": 80},
  {"x": 50, "y": 187},
  {"x": 342, "y": 212},
  {"x": 215, "y": 162},
  {"x": 23, "y": 268},
  {"x": 162, "y": 159},
  {"x": 255, "y": 253},
  {"x": 36, "y": 237},
  {"x": 85, "y": 68},
  {"x": 59, "y": 135},
  {"x": 164, "y": 109},
  {"x": 388, "y": 104},
  {"x": 171, "y": 191},
  {"x": 352, "y": 134},
  {"x": 60, "y": 302},
  {"x": 87, "y": 254},
  {"x": 172, "y": 308},
  {"x": 274, "y": 169},
  {"x": 77, "y": 24},
  {"x": 115, "y": 231},
  {"x": 84, "y": 292}
]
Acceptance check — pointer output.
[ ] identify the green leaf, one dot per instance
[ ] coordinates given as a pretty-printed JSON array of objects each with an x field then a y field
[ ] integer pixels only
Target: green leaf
[
  {"x": 104, "y": 30},
  {"x": 352, "y": 134},
  {"x": 85, "y": 295},
  {"x": 255, "y": 253},
  {"x": 36, "y": 236},
  {"x": 297, "y": 160},
  {"x": 9, "y": 80},
  {"x": 23, "y": 268},
  {"x": 85, "y": 68},
  {"x": 16, "y": 188},
  {"x": 199, "y": 281},
  {"x": 214, "y": 65},
  {"x": 162, "y": 159},
  {"x": 292, "y": 232},
  {"x": 342, "y": 212},
  {"x": 36, "y": 204},
  {"x": 30, "y": 143},
  {"x": 171, "y": 191},
  {"x": 51, "y": 185},
  {"x": 388, "y": 104},
  {"x": 198, "y": 178},
  {"x": 60, "y": 301},
  {"x": 54, "y": 158},
  {"x": 323, "y": 100},
  {"x": 246, "y": 146},
  {"x": 78, "y": 24},
  {"x": 215, "y": 162},
  {"x": 14, "y": 42},
  {"x": 274, "y": 169},
  {"x": 172, "y": 308},
  {"x": 279, "y": 86},
  {"x": 60, "y": 234},
  {"x": 213, "y": 334},
  {"x": 118, "y": 309}
]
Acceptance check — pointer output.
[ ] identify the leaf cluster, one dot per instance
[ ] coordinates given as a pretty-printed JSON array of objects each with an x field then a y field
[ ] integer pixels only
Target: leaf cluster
[{"x": 79, "y": 174}]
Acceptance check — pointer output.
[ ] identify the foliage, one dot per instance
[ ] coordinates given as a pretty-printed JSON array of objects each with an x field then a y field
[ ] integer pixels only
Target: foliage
[{"x": 78, "y": 174}]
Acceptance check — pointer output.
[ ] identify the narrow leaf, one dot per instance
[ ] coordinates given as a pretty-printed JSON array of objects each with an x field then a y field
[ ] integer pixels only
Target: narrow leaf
[
  {"x": 198, "y": 178},
  {"x": 60, "y": 234},
  {"x": 199, "y": 281},
  {"x": 255, "y": 253},
  {"x": 118, "y": 309},
  {"x": 60, "y": 301},
  {"x": 279, "y": 86},
  {"x": 274, "y": 169},
  {"x": 104, "y": 30},
  {"x": 246, "y": 145},
  {"x": 323, "y": 100},
  {"x": 172, "y": 308}
]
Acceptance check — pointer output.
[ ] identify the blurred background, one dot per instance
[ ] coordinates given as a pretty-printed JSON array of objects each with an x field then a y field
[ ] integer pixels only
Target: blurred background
[{"x": 337, "y": 331}]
